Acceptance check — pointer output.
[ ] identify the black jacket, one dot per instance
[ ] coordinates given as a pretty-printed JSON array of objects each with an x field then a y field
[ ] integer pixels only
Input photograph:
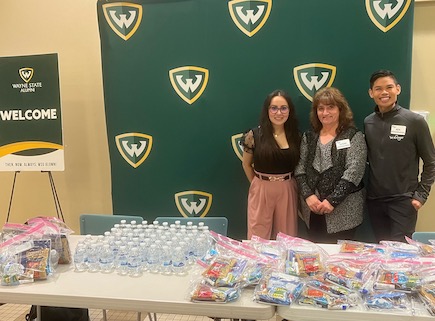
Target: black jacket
[{"x": 394, "y": 154}]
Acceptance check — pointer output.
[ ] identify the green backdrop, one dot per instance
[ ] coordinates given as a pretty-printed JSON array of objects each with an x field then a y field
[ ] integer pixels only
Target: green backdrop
[{"x": 170, "y": 132}]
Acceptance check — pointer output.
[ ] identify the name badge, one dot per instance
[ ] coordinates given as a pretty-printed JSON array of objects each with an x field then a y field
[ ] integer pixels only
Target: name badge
[
  {"x": 398, "y": 129},
  {"x": 344, "y": 143}
]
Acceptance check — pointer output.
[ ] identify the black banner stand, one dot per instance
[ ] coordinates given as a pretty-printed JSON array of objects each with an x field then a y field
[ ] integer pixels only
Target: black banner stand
[{"x": 53, "y": 191}]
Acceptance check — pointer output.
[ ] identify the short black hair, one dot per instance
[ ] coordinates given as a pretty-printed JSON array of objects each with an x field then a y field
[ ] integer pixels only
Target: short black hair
[{"x": 380, "y": 74}]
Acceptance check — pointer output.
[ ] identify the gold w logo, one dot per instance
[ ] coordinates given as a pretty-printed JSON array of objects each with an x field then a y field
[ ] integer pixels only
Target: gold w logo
[
  {"x": 250, "y": 15},
  {"x": 134, "y": 147},
  {"x": 193, "y": 203},
  {"x": 311, "y": 77},
  {"x": 189, "y": 82},
  {"x": 124, "y": 18},
  {"x": 26, "y": 74},
  {"x": 384, "y": 15}
]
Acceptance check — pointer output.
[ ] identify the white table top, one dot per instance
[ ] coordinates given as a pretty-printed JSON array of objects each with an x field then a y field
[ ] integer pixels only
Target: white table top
[{"x": 148, "y": 293}]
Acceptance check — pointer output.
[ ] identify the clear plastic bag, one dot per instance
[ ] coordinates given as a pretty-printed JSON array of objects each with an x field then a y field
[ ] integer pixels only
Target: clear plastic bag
[{"x": 278, "y": 289}]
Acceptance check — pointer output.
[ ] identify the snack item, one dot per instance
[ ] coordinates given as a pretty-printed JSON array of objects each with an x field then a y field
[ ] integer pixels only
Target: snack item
[
  {"x": 389, "y": 300},
  {"x": 205, "y": 292},
  {"x": 427, "y": 294},
  {"x": 225, "y": 271},
  {"x": 303, "y": 263},
  {"x": 37, "y": 259},
  {"x": 278, "y": 288}
]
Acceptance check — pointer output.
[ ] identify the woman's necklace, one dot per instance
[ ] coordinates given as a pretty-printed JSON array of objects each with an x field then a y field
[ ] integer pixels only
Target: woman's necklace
[{"x": 276, "y": 135}]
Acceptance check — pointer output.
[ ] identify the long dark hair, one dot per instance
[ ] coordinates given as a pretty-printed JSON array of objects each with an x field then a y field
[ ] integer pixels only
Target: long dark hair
[{"x": 269, "y": 147}]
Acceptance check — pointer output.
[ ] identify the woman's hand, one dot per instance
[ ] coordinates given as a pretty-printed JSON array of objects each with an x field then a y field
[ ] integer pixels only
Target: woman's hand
[
  {"x": 325, "y": 207},
  {"x": 313, "y": 202}
]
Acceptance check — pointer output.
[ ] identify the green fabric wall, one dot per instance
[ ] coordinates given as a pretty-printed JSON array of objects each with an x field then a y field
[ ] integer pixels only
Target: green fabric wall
[{"x": 191, "y": 141}]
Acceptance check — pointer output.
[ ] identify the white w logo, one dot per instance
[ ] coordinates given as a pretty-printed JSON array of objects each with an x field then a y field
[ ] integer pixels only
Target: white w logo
[
  {"x": 122, "y": 20},
  {"x": 189, "y": 84},
  {"x": 309, "y": 85},
  {"x": 193, "y": 208},
  {"x": 134, "y": 147},
  {"x": 26, "y": 74},
  {"x": 187, "y": 203},
  {"x": 314, "y": 82},
  {"x": 133, "y": 150},
  {"x": 388, "y": 8},
  {"x": 250, "y": 16},
  {"x": 382, "y": 17}
]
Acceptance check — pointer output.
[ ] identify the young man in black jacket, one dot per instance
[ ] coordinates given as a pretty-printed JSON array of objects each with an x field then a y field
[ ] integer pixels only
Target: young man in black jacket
[{"x": 396, "y": 139}]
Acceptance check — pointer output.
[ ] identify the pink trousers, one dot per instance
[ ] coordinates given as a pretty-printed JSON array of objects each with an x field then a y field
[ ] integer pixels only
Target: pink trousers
[{"x": 272, "y": 208}]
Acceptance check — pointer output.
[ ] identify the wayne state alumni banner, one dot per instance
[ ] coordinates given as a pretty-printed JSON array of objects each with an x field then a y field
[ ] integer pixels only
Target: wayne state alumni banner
[
  {"x": 184, "y": 79},
  {"x": 30, "y": 114}
]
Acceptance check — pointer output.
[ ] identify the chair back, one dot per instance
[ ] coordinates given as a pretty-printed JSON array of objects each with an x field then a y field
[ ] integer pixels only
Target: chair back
[
  {"x": 215, "y": 224},
  {"x": 97, "y": 224},
  {"x": 423, "y": 237}
]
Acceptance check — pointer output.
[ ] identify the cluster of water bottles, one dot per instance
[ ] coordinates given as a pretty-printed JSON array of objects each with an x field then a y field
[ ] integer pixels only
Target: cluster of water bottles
[{"x": 132, "y": 249}]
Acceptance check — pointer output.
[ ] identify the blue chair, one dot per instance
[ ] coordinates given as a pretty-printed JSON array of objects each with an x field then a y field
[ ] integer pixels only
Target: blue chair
[
  {"x": 423, "y": 237},
  {"x": 215, "y": 224},
  {"x": 97, "y": 224}
]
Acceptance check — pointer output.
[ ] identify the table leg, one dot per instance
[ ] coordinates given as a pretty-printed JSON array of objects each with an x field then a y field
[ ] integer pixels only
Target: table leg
[{"x": 38, "y": 313}]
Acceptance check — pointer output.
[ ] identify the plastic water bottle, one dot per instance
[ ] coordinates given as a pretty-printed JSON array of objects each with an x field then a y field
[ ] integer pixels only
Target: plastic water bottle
[
  {"x": 200, "y": 226},
  {"x": 54, "y": 258},
  {"x": 106, "y": 259},
  {"x": 208, "y": 237},
  {"x": 178, "y": 261},
  {"x": 182, "y": 233},
  {"x": 121, "y": 261},
  {"x": 189, "y": 249},
  {"x": 199, "y": 247},
  {"x": 184, "y": 251},
  {"x": 195, "y": 229},
  {"x": 143, "y": 251},
  {"x": 80, "y": 258},
  {"x": 134, "y": 263},
  {"x": 153, "y": 259},
  {"x": 115, "y": 248},
  {"x": 166, "y": 260},
  {"x": 93, "y": 258}
]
